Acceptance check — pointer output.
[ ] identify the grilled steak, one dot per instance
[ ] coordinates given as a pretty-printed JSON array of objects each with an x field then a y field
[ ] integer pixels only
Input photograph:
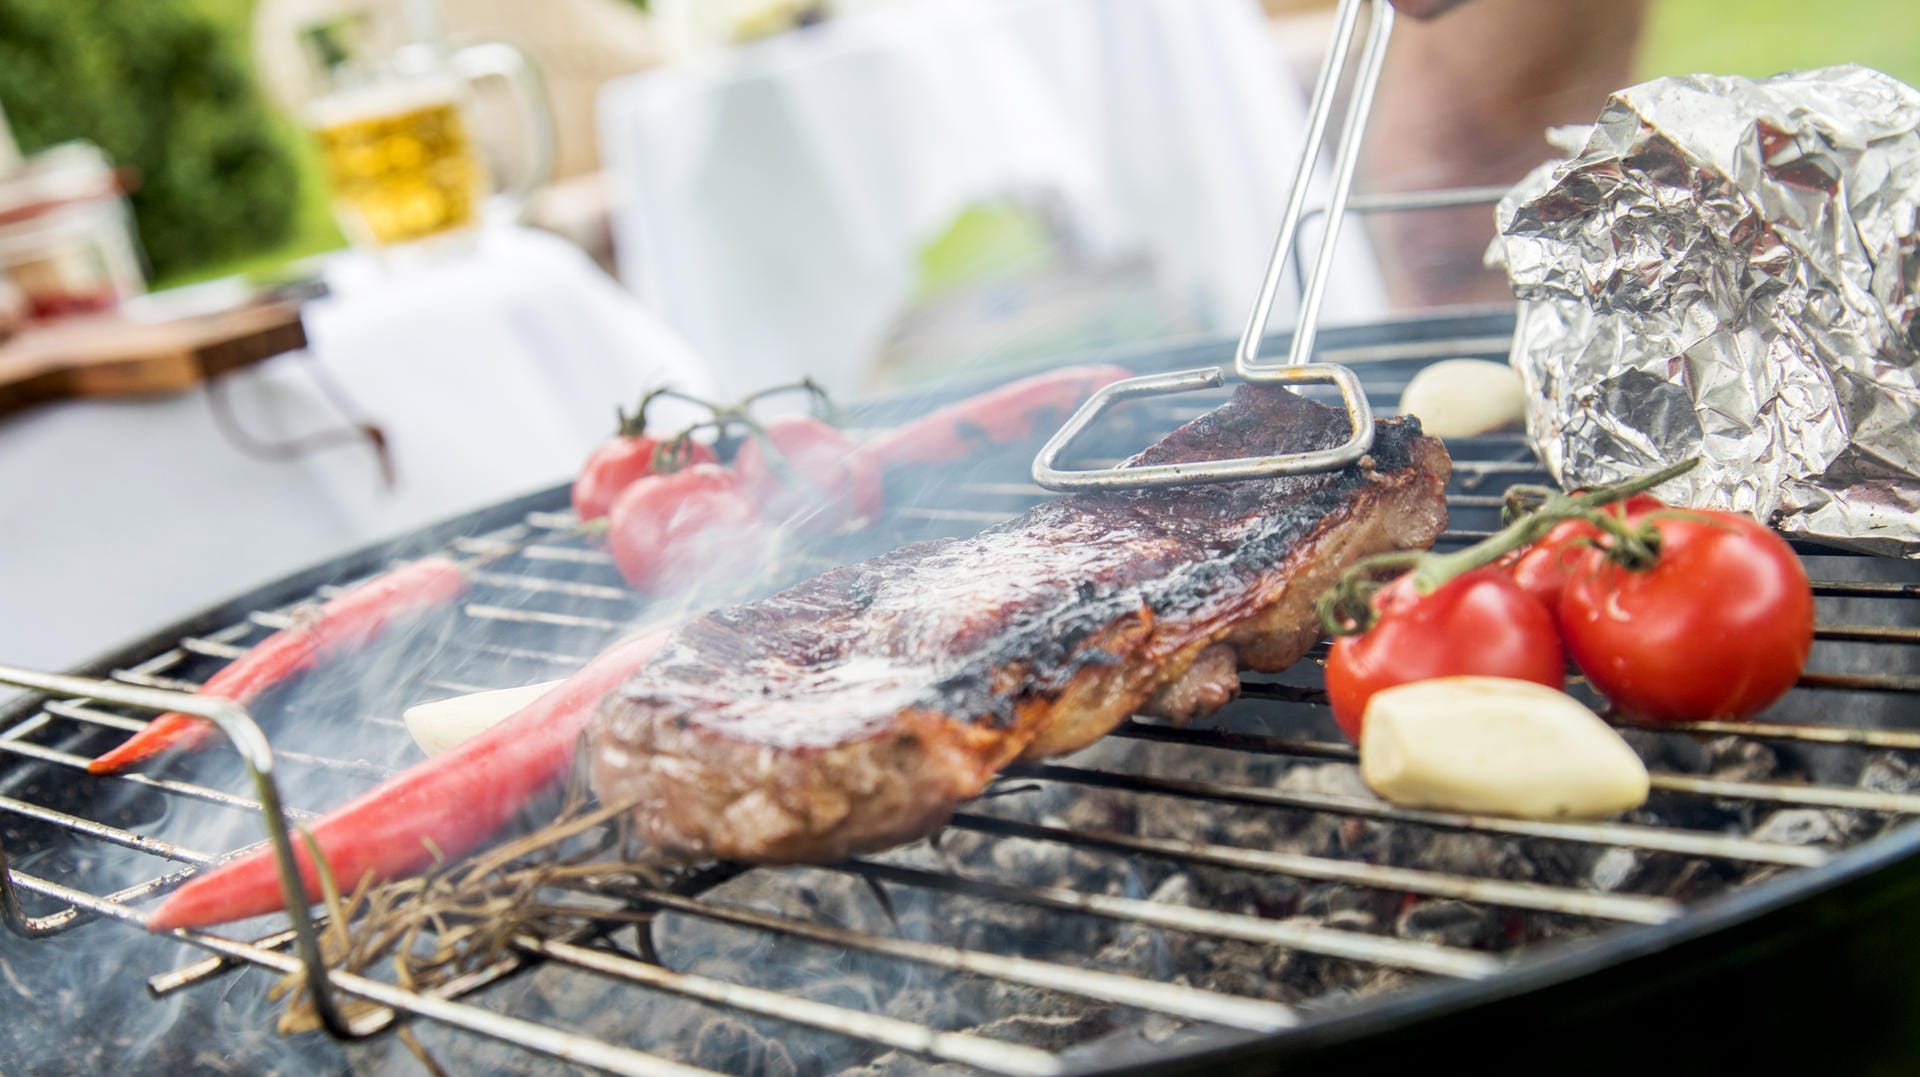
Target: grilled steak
[{"x": 856, "y": 710}]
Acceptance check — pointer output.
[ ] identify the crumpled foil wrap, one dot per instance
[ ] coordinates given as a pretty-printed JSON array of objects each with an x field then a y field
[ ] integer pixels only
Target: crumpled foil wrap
[{"x": 1730, "y": 268}]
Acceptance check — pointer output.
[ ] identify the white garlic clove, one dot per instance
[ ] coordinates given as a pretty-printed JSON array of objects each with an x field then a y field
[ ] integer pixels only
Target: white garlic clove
[
  {"x": 445, "y": 723},
  {"x": 1498, "y": 746},
  {"x": 1464, "y": 397}
]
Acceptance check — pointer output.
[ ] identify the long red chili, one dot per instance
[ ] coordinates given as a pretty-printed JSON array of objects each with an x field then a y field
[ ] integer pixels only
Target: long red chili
[
  {"x": 1006, "y": 415},
  {"x": 347, "y": 620},
  {"x": 439, "y": 808},
  {"x": 446, "y": 806}
]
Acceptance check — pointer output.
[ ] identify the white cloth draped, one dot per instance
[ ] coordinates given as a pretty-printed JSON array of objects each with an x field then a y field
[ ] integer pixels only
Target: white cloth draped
[
  {"x": 770, "y": 201},
  {"x": 492, "y": 377}
]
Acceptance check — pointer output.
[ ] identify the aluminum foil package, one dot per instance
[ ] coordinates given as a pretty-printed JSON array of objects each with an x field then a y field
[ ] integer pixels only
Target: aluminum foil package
[{"x": 1730, "y": 268}]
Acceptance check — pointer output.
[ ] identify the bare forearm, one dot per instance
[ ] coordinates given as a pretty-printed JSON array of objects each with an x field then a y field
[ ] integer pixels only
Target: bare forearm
[{"x": 1464, "y": 100}]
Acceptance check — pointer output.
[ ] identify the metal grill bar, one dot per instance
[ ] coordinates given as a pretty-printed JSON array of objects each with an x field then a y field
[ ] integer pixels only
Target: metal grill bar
[
  {"x": 166, "y": 983},
  {"x": 1866, "y": 589},
  {"x": 530, "y": 1035},
  {"x": 1868, "y": 633},
  {"x": 76, "y": 912},
  {"x": 1816, "y": 796},
  {"x": 1194, "y": 1004},
  {"x": 458, "y": 688},
  {"x": 1765, "y": 792},
  {"x": 1623, "y": 907},
  {"x": 94, "y": 716},
  {"x": 25, "y": 728},
  {"x": 1331, "y": 942},
  {"x": 175, "y": 655},
  {"x": 1891, "y": 683},
  {"x": 1449, "y": 348},
  {"x": 573, "y": 555},
  {"x": 110, "y": 720},
  {"x": 1618, "y": 835},
  {"x": 542, "y": 617},
  {"x": 991, "y": 1055},
  {"x": 149, "y": 680},
  {"x": 165, "y": 785},
  {"x": 189, "y": 975},
  {"x": 555, "y": 658},
  {"x": 113, "y": 835},
  {"x": 1246, "y": 742},
  {"x": 542, "y": 585},
  {"x": 1489, "y": 468},
  {"x": 1887, "y": 739},
  {"x": 211, "y": 648}
]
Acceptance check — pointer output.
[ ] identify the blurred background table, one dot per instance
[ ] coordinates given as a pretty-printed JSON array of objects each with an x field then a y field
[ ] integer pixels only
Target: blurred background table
[
  {"x": 114, "y": 355},
  {"x": 773, "y": 203},
  {"x": 490, "y": 377}
]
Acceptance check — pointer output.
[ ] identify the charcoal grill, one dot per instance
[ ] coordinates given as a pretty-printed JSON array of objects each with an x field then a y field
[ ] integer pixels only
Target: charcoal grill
[{"x": 1773, "y": 950}]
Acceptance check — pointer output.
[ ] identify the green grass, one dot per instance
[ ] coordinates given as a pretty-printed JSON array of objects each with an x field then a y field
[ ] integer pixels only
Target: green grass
[
  {"x": 985, "y": 241},
  {"x": 1764, "y": 37}
]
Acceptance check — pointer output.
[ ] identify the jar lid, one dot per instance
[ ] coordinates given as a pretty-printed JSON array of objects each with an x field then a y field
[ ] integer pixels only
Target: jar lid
[{"x": 60, "y": 174}]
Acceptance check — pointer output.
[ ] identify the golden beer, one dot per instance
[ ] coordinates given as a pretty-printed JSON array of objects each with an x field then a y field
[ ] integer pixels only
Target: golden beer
[{"x": 401, "y": 164}]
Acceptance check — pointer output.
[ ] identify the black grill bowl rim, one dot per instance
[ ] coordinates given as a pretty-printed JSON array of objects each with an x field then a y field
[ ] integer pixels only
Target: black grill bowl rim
[{"x": 1638, "y": 984}]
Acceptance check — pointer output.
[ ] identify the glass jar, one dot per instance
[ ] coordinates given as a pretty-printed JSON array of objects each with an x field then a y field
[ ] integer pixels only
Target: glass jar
[
  {"x": 388, "y": 102},
  {"x": 66, "y": 235}
]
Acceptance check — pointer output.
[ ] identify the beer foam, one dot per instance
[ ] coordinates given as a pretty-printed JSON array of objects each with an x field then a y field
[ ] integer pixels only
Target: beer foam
[{"x": 385, "y": 99}]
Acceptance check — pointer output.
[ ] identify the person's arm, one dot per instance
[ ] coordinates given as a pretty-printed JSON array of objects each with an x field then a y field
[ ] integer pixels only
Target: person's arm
[
  {"x": 1425, "y": 9},
  {"x": 1465, "y": 99}
]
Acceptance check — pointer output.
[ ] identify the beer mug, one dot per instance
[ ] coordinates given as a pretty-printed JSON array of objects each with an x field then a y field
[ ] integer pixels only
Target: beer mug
[{"x": 392, "y": 125}]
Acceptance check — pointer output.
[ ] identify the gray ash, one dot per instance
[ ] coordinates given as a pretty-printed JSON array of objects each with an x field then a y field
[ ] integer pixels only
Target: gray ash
[{"x": 986, "y": 1007}]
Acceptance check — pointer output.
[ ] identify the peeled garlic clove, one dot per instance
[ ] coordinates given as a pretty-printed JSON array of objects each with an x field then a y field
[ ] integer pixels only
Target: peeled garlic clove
[
  {"x": 1463, "y": 397},
  {"x": 445, "y": 723},
  {"x": 1498, "y": 746}
]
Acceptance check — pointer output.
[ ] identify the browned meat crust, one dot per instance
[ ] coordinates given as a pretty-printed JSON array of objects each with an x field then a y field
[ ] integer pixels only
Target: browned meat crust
[{"x": 855, "y": 710}]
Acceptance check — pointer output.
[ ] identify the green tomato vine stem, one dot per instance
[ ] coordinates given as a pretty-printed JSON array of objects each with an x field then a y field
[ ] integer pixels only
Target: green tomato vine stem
[{"x": 1346, "y": 608}]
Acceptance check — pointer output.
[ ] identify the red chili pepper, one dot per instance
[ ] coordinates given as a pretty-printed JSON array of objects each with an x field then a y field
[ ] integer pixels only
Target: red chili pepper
[
  {"x": 349, "y": 619},
  {"x": 1004, "y": 416},
  {"x": 440, "y": 808}
]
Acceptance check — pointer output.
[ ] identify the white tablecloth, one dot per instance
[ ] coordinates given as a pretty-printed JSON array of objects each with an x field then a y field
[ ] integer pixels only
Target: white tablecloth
[
  {"x": 770, "y": 202},
  {"x": 491, "y": 377}
]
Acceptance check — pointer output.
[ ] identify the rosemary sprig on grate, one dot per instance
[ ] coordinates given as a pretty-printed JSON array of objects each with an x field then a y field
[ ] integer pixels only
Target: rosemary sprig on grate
[{"x": 469, "y": 917}]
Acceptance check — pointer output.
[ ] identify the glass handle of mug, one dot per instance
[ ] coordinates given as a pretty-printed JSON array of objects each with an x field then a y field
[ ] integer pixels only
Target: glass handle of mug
[{"x": 499, "y": 60}]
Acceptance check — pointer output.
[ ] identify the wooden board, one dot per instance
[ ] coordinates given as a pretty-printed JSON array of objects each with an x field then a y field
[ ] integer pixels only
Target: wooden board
[{"x": 111, "y": 356}]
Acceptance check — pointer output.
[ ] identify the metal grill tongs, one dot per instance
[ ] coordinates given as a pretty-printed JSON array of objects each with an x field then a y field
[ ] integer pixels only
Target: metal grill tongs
[{"x": 1248, "y": 364}]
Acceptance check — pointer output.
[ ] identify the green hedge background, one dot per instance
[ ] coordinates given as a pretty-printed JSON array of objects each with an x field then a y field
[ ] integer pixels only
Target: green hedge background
[{"x": 163, "y": 87}]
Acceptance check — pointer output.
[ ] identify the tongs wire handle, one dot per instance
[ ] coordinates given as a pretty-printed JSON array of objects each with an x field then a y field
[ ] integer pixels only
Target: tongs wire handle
[
  {"x": 1246, "y": 358},
  {"x": 1298, "y": 368}
]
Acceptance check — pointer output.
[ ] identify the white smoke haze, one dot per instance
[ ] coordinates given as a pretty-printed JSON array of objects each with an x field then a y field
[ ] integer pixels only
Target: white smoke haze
[
  {"x": 78, "y": 1001},
  {"x": 336, "y": 732}
]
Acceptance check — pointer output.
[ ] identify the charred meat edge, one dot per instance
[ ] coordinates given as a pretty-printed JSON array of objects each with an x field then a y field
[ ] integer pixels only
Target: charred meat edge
[{"x": 706, "y": 793}]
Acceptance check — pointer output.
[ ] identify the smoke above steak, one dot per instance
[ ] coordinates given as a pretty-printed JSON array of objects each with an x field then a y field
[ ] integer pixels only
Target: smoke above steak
[{"x": 856, "y": 710}]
